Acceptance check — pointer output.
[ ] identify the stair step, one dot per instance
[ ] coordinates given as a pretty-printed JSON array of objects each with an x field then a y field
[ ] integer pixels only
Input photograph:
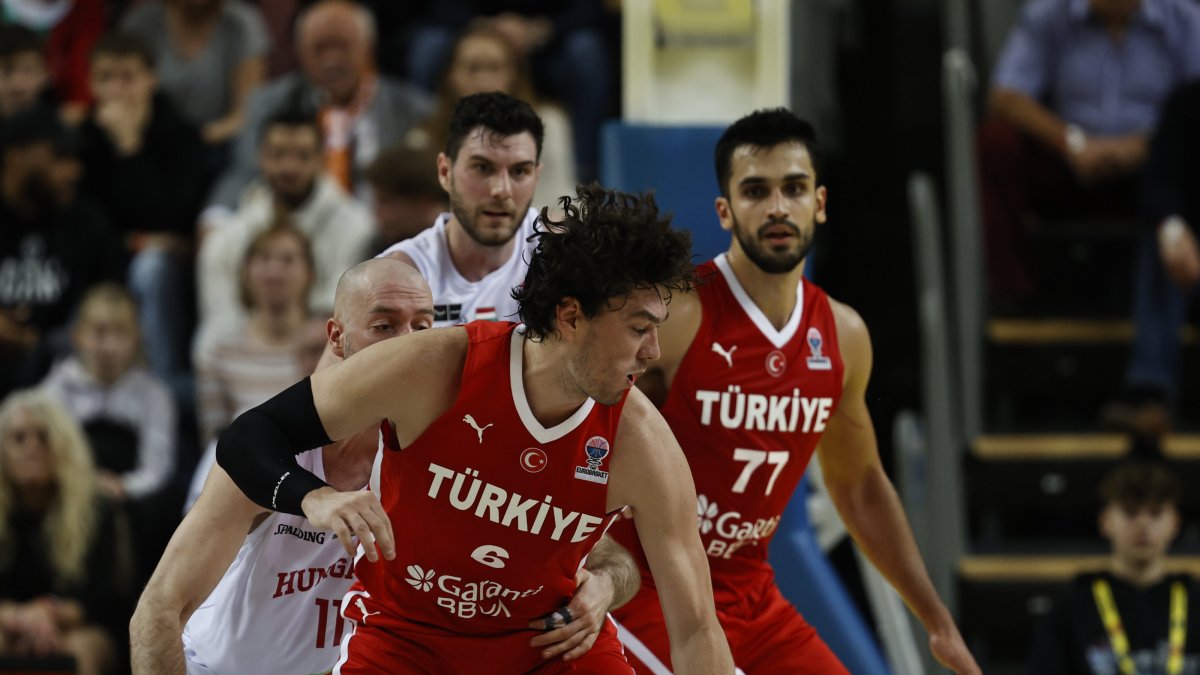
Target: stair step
[
  {"x": 1090, "y": 446},
  {"x": 1068, "y": 331},
  {"x": 1037, "y": 568}
]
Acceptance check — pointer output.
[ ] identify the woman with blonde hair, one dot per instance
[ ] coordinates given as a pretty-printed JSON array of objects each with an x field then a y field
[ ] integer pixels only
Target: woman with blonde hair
[{"x": 63, "y": 555}]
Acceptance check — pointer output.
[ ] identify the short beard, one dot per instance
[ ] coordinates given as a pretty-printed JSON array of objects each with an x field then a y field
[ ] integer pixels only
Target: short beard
[
  {"x": 294, "y": 200},
  {"x": 781, "y": 263},
  {"x": 467, "y": 220}
]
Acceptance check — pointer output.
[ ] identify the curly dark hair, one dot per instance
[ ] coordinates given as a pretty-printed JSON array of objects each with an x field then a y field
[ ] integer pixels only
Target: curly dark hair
[
  {"x": 606, "y": 245},
  {"x": 497, "y": 113},
  {"x": 765, "y": 129}
]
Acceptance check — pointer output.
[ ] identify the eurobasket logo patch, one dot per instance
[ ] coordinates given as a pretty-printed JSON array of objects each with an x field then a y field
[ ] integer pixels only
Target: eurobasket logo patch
[
  {"x": 816, "y": 360},
  {"x": 596, "y": 449}
]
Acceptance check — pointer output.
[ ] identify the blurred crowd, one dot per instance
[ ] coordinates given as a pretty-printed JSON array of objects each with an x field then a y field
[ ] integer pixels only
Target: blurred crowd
[{"x": 182, "y": 182}]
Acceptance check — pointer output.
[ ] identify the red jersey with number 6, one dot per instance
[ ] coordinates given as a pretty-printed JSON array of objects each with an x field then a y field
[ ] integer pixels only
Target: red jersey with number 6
[
  {"x": 748, "y": 405},
  {"x": 493, "y": 513}
]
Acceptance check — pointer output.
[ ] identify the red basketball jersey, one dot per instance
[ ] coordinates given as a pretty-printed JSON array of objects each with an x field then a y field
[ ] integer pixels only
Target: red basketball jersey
[
  {"x": 493, "y": 513},
  {"x": 748, "y": 405}
]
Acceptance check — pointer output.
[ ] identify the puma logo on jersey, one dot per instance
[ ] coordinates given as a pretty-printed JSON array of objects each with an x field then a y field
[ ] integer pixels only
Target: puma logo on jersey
[
  {"x": 728, "y": 355},
  {"x": 478, "y": 429},
  {"x": 363, "y": 608}
]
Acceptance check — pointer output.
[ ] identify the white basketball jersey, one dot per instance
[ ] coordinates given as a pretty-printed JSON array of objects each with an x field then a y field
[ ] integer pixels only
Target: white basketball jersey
[
  {"x": 456, "y": 300},
  {"x": 278, "y": 607}
]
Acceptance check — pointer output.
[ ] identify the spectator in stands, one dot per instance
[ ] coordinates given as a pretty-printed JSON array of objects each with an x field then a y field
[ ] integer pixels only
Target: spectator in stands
[
  {"x": 128, "y": 414},
  {"x": 103, "y": 383},
  {"x": 561, "y": 39},
  {"x": 145, "y": 165},
  {"x": 1075, "y": 93},
  {"x": 63, "y": 555},
  {"x": 482, "y": 60},
  {"x": 405, "y": 194},
  {"x": 52, "y": 247},
  {"x": 70, "y": 28},
  {"x": 244, "y": 364},
  {"x": 295, "y": 190},
  {"x": 1124, "y": 619},
  {"x": 360, "y": 111},
  {"x": 209, "y": 56},
  {"x": 1167, "y": 271},
  {"x": 24, "y": 78}
]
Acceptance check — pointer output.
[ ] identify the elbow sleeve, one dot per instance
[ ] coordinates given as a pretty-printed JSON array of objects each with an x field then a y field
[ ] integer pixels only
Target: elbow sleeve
[{"x": 259, "y": 449}]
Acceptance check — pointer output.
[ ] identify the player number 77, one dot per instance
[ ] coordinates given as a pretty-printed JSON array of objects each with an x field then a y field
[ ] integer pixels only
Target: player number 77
[{"x": 755, "y": 459}]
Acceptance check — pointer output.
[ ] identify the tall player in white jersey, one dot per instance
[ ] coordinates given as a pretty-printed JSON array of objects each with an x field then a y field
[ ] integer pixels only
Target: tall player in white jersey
[
  {"x": 276, "y": 607},
  {"x": 477, "y": 253}
]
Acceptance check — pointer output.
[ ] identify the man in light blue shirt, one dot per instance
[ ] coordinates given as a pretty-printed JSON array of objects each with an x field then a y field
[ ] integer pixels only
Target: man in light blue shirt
[{"x": 1075, "y": 93}]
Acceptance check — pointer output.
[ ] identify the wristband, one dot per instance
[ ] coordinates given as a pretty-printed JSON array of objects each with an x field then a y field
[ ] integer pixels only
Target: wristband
[
  {"x": 1172, "y": 230},
  {"x": 1075, "y": 139}
]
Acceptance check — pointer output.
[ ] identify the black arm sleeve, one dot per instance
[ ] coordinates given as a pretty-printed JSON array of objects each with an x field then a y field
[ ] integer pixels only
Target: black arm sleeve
[{"x": 259, "y": 449}]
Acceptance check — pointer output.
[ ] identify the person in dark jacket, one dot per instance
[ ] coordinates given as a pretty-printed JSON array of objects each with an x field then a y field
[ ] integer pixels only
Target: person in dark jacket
[
  {"x": 146, "y": 166},
  {"x": 53, "y": 246}
]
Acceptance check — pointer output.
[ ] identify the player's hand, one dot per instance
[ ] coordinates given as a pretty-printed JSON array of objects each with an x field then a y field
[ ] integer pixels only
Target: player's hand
[
  {"x": 37, "y": 629},
  {"x": 587, "y": 611},
  {"x": 357, "y": 513},
  {"x": 949, "y": 649},
  {"x": 1099, "y": 160},
  {"x": 1179, "y": 252}
]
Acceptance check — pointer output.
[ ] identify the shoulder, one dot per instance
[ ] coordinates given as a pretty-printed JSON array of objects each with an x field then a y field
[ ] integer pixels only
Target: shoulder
[
  {"x": 269, "y": 95},
  {"x": 642, "y": 428},
  {"x": 1183, "y": 15},
  {"x": 396, "y": 253},
  {"x": 553, "y": 116},
  {"x": 1043, "y": 13},
  {"x": 684, "y": 312},
  {"x": 852, "y": 332},
  {"x": 853, "y": 341},
  {"x": 425, "y": 243},
  {"x": 143, "y": 380},
  {"x": 346, "y": 210},
  {"x": 224, "y": 340}
]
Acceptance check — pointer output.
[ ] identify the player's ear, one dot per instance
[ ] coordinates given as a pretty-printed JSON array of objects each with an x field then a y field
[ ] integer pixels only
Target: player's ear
[
  {"x": 724, "y": 213},
  {"x": 444, "y": 165},
  {"x": 568, "y": 314},
  {"x": 334, "y": 330},
  {"x": 822, "y": 199}
]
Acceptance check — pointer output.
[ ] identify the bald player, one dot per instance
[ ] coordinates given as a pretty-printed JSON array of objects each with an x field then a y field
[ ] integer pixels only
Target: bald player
[{"x": 283, "y": 579}]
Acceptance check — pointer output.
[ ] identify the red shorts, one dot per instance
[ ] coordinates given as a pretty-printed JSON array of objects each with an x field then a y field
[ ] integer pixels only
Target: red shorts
[
  {"x": 765, "y": 634},
  {"x": 371, "y": 648}
]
